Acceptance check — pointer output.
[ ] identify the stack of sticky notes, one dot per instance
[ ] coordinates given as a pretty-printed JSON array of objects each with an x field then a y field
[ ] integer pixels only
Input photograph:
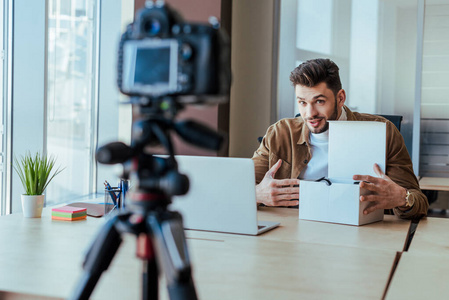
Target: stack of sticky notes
[{"x": 68, "y": 213}]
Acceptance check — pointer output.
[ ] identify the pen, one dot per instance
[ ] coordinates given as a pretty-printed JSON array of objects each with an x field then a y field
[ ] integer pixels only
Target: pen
[{"x": 111, "y": 193}]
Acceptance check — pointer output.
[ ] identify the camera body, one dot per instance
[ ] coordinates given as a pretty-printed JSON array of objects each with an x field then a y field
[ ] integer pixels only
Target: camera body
[{"x": 161, "y": 55}]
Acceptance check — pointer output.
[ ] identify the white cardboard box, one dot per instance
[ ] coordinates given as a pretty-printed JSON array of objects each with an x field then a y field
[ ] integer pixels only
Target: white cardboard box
[{"x": 354, "y": 148}]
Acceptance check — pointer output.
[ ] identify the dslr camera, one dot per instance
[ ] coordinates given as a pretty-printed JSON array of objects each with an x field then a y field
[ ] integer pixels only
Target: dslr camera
[{"x": 162, "y": 55}]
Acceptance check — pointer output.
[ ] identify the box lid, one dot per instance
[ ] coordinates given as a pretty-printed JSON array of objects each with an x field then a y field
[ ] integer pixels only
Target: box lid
[{"x": 354, "y": 148}]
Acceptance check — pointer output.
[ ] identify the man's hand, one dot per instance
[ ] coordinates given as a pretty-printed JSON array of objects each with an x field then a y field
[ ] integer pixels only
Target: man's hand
[
  {"x": 384, "y": 192},
  {"x": 274, "y": 192}
]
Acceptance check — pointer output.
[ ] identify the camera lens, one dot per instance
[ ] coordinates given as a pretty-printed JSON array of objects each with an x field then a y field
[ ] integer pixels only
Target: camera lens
[{"x": 153, "y": 27}]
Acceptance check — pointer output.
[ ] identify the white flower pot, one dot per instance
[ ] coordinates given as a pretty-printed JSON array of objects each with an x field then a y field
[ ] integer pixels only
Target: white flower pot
[{"x": 32, "y": 205}]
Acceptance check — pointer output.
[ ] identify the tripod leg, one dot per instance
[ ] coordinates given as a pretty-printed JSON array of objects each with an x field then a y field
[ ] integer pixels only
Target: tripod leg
[
  {"x": 150, "y": 288},
  {"x": 150, "y": 280},
  {"x": 98, "y": 259},
  {"x": 172, "y": 255}
]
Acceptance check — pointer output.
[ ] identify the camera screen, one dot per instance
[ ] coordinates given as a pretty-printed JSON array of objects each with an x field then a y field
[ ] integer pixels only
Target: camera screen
[{"x": 150, "y": 67}]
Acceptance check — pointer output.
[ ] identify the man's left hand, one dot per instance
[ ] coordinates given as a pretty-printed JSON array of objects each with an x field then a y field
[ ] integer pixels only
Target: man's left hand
[{"x": 384, "y": 192}]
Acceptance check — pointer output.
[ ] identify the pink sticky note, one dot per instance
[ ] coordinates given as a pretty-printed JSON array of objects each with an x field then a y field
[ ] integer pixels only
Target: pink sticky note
[{"x": 69, "y": 209}]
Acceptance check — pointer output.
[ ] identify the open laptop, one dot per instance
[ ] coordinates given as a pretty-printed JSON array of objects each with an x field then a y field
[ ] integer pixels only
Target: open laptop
[{"x": 222, "y": 195}]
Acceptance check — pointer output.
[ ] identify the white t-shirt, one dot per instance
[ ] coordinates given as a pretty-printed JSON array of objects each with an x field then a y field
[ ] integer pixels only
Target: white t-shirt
[{"x": 319, "y": 142}]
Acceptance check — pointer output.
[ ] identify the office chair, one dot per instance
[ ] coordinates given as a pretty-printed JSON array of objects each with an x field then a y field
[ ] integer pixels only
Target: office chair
[{"x": 396, "y": 120}]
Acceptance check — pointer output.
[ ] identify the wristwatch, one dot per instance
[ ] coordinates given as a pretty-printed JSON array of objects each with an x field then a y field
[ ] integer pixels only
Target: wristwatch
[{"x": 409, "y": 201}]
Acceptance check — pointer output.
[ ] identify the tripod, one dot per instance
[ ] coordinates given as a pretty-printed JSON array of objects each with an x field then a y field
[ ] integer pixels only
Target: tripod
[
  {"x": 160, "y": 241},
  {"x": 159, "y": 232}
]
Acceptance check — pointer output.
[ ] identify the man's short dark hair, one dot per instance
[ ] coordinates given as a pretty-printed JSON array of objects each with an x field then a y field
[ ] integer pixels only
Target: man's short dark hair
[{"x": 315, "y": 71}]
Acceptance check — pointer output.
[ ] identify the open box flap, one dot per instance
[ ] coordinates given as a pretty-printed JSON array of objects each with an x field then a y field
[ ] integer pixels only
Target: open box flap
[{"x": 354, "y": 148}]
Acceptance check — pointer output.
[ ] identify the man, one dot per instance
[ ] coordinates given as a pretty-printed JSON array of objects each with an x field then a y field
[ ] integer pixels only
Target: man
[{"x": 296, "y": 148}]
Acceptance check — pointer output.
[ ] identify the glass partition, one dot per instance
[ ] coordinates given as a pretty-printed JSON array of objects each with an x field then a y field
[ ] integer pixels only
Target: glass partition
[
  {"x": 373, "y": 42},
  {"x": 397, "y": 55},
  {"x": 434, "y": 154}
]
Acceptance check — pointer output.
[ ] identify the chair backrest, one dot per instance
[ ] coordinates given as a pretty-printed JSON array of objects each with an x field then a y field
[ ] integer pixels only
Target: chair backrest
[{"x": 395, "y": 119}]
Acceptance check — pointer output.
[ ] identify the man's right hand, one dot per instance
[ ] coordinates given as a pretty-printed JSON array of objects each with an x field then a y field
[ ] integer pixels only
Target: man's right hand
[{"x": 277, "y": 192}]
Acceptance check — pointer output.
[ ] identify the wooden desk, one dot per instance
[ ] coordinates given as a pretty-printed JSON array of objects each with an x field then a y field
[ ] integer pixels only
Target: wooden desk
[
  {"x": 420, "y": 276},
  {"x": 256, "y": 268},
  {"x": 431, "y": 237},
  {"x": 43, "y": 257},
  {"x": 434, "y": 183},
  {"x": 423, "y": 271},
  {"x": 389, "y": 234}
]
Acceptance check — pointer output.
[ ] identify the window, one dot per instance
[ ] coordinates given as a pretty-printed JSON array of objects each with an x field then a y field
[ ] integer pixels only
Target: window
[
  {"x": 61, "y": 104},
  {"x": 5, "y": 105},
  {"x": 71, "y": 114},
  {"x": 2, "y": 84}
]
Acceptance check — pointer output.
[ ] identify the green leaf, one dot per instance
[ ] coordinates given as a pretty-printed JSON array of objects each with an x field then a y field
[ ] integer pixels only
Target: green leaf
[{"x": 35, "y": 172}]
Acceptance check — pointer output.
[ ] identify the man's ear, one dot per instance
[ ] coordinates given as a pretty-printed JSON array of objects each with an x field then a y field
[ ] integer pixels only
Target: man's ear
[{"x": 341, "y": 97}]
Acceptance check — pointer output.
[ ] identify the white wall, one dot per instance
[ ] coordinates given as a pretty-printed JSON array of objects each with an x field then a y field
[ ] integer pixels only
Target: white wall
[
  {"x": 405, "y": 71},
  {"x": 108, "y": 93},
  {"x": 363, "y": 56},
  {"x": 125, "y": 110}
]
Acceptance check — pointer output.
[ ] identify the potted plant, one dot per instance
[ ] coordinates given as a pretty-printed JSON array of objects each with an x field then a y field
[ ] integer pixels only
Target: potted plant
[{"x": 35, "y": 174}]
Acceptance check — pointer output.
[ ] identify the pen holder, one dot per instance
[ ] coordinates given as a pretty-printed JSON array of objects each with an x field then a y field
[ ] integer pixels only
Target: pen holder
[{"x": 112, "y": 199}]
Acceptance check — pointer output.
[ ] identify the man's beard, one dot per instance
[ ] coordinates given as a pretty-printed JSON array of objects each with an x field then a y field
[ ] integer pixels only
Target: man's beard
[{"x": 326, "y": 125}]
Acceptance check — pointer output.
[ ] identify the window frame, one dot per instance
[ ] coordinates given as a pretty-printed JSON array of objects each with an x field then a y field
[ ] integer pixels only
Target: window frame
[{"x": 6, "y": 69}]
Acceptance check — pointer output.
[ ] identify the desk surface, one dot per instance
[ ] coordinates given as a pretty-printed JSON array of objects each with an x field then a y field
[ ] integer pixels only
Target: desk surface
[
  {"x": 390, "y": 234},
  {"x": 420, "y": 276},
  {"x": 255, "y": 268},
  {"x": 43, "y": 257},
  {"x": 431, "y": 236},
  {"x": 434, "y": 183}
]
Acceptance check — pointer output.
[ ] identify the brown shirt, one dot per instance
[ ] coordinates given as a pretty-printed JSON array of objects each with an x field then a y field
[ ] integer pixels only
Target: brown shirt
[{"x": 288, "y": 139}]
